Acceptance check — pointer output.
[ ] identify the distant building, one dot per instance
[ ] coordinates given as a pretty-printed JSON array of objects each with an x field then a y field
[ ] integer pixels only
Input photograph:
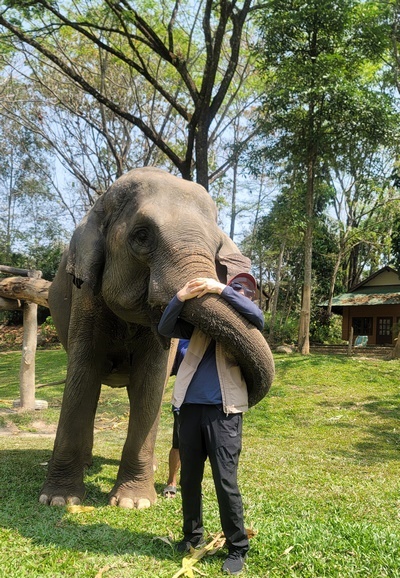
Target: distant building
[{"x": 372, "y": 308}]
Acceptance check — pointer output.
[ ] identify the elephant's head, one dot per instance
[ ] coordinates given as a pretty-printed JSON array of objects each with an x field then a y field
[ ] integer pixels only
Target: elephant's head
[{"x": 143, "y": 239}]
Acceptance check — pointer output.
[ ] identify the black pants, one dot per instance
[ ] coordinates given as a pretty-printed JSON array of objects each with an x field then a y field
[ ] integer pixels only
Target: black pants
[{"x": 205, "y": 431}]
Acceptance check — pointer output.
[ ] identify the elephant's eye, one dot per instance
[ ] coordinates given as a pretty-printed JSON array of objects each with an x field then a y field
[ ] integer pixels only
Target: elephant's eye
[
  {"x": 141, "y": 237},
  {"x": 142, "y": 240}
]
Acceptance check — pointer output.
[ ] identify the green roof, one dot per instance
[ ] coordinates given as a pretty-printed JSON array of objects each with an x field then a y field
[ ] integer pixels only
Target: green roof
[{"x": 378, "y": 295}]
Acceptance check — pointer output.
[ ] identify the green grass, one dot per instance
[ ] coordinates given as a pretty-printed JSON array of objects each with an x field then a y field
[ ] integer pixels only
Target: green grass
[{"x": 319, "y": 475}]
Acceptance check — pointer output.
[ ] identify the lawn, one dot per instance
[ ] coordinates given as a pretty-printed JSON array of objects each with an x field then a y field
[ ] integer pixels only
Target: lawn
[{"x": 319, "y": 475}]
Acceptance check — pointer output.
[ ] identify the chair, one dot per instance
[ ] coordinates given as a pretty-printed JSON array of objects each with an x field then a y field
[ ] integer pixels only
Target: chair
[{"x": 361, "y": 341}]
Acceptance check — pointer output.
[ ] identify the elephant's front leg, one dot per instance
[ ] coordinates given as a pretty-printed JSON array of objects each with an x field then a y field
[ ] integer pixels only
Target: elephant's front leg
[
  {"x": 134, "y": 487},
  {"x": 72, "y": 451}
]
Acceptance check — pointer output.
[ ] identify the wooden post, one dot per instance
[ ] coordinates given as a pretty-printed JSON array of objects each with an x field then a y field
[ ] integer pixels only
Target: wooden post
[
  {"x": 395, "y": 353},
  {"x": 350, "y": 345},
  {"x": 27, "y": 368},
  {"x": 33, "y": 291}
]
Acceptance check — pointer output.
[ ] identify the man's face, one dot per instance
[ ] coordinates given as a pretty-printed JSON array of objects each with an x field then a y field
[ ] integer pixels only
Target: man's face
[{"x": 244, "y": 287}]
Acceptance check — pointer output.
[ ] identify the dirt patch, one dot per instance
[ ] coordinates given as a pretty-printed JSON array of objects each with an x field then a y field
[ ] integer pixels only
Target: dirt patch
[
  {"x": 11, "y": 337},
  {"x": 37, "y": 428}
]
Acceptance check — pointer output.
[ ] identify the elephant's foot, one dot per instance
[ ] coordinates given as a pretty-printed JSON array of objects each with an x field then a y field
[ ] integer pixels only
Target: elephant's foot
[
  {"x": 132, "y": 496},
  {"x": 58, "y": 495}
]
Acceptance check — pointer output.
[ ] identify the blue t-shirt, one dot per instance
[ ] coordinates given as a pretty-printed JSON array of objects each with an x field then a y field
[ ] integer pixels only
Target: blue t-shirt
[{"x": 204, "y": 387}]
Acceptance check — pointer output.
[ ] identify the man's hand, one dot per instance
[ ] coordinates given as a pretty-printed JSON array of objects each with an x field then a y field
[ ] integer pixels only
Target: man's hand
[{"x": 200, "y": 287}]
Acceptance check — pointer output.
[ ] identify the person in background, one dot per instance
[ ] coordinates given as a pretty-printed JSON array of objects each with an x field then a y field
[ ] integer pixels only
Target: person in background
[
  {"x": 211, "y": 396},
  {"x": 174, "y": 461}
]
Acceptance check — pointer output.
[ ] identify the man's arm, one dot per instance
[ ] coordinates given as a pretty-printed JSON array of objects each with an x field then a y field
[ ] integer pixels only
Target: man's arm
[
  {"x": 171, "y": 325},
  {"x": 243, "y": 305}
]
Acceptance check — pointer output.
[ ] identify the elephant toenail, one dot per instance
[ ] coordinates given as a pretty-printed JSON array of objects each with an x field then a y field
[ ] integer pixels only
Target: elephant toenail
[
  {"x": 57, "y": 501},
  {"x": 143, "y": 503},
  {"x": 74, "y": 501},
  {"x": 126, "y": 503}
]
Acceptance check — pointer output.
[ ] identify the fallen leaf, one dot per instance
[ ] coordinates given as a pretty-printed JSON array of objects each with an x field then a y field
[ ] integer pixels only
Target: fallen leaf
[
  {"x": 110, "y": 567},
  {"x": 102, "y": 570},
  {"x": 251, "y": 532},
  {"x": 77, "y": 509},
  {"x": 197, "y": 554},
  {"x": 163, "y": 539}
]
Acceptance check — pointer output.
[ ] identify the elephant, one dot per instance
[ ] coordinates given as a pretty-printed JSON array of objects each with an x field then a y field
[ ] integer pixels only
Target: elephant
[{"x": 141, "y": 241}]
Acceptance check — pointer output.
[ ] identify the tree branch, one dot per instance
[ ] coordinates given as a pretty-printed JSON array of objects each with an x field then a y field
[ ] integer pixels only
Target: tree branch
[{"x": 26, "y": 289}]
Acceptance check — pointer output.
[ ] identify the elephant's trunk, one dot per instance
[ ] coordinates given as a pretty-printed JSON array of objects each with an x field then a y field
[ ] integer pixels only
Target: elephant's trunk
[{"x": 216, "y": 318}]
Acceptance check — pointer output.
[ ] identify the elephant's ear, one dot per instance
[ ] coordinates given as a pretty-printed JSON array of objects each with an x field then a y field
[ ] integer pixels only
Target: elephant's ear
[
  {"x": 87, "y": 249},
  {"x": 230, "y": 261}
]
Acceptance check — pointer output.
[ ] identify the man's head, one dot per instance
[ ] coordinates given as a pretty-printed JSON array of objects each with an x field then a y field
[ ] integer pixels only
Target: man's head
[{"x": 244, "y": 283}]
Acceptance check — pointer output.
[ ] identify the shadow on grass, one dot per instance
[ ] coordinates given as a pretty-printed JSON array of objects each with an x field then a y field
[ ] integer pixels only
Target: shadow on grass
[
  {"x": 22, "y": 474},
  {"x": 315, "y": 360},
  {"x": 382, "y": 439}
]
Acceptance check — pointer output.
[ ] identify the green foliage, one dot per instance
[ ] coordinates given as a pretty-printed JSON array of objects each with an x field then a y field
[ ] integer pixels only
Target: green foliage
[
  {"x": 325, "y": 329},
  {"x": 285, "y": 328},
  {"x": 328, "y": 126},
  {"x": 46, "y": 258},
  {"x": 395, "y": 244},
  {"x": 320, "y": 85},
  {"x": 49, "y": 333}
]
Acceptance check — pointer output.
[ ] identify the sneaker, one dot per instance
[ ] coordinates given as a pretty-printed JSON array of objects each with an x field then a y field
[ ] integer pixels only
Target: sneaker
[
  {"x": 184, "y": 546},
  {"x": 234, "y": 564}
]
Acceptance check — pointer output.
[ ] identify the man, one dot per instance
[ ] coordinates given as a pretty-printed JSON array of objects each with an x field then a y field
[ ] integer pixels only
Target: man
[{"x": 211, "y": 415}]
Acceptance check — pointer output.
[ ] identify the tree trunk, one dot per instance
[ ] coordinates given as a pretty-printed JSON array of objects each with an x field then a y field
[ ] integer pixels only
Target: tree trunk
[
  {"x": 304, "y": 325},
  {"x": 274, "y": 303},
  {"x": 353, "y": 261},
  {"x": 333, "y": 282},
  {"x": 202, "y": 152},
  {"x": 233, "y": 203},
  {"x": 23, "y": 272},
  {"x": 27, "y": 368}
]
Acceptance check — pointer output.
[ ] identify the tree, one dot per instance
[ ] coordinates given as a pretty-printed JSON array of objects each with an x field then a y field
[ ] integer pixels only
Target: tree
[
  {"x": 311, "y": 64},
  {"x": 190, "y": 62},
  {"x": 395, "y": 243},
  {"x": 361, "y": 168},
  {"x": 275, "y": 236},
  {"x": 24, "y": 186}
]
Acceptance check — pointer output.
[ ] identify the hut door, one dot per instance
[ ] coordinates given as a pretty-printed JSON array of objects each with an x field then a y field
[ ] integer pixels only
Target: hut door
[{"x": 384, "y": 331}]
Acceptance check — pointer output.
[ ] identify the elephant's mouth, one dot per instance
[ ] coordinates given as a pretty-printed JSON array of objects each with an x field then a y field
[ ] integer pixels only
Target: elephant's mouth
[{"x": 216, "y": 318}]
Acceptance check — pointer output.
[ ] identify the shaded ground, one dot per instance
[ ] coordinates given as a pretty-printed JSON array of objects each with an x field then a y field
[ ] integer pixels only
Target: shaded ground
[{"x": 11, "y": 337}]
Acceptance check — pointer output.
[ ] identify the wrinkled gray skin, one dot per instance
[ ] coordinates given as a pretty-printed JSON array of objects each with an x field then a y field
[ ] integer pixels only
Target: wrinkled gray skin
[{"x": 143, "y": 239}]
